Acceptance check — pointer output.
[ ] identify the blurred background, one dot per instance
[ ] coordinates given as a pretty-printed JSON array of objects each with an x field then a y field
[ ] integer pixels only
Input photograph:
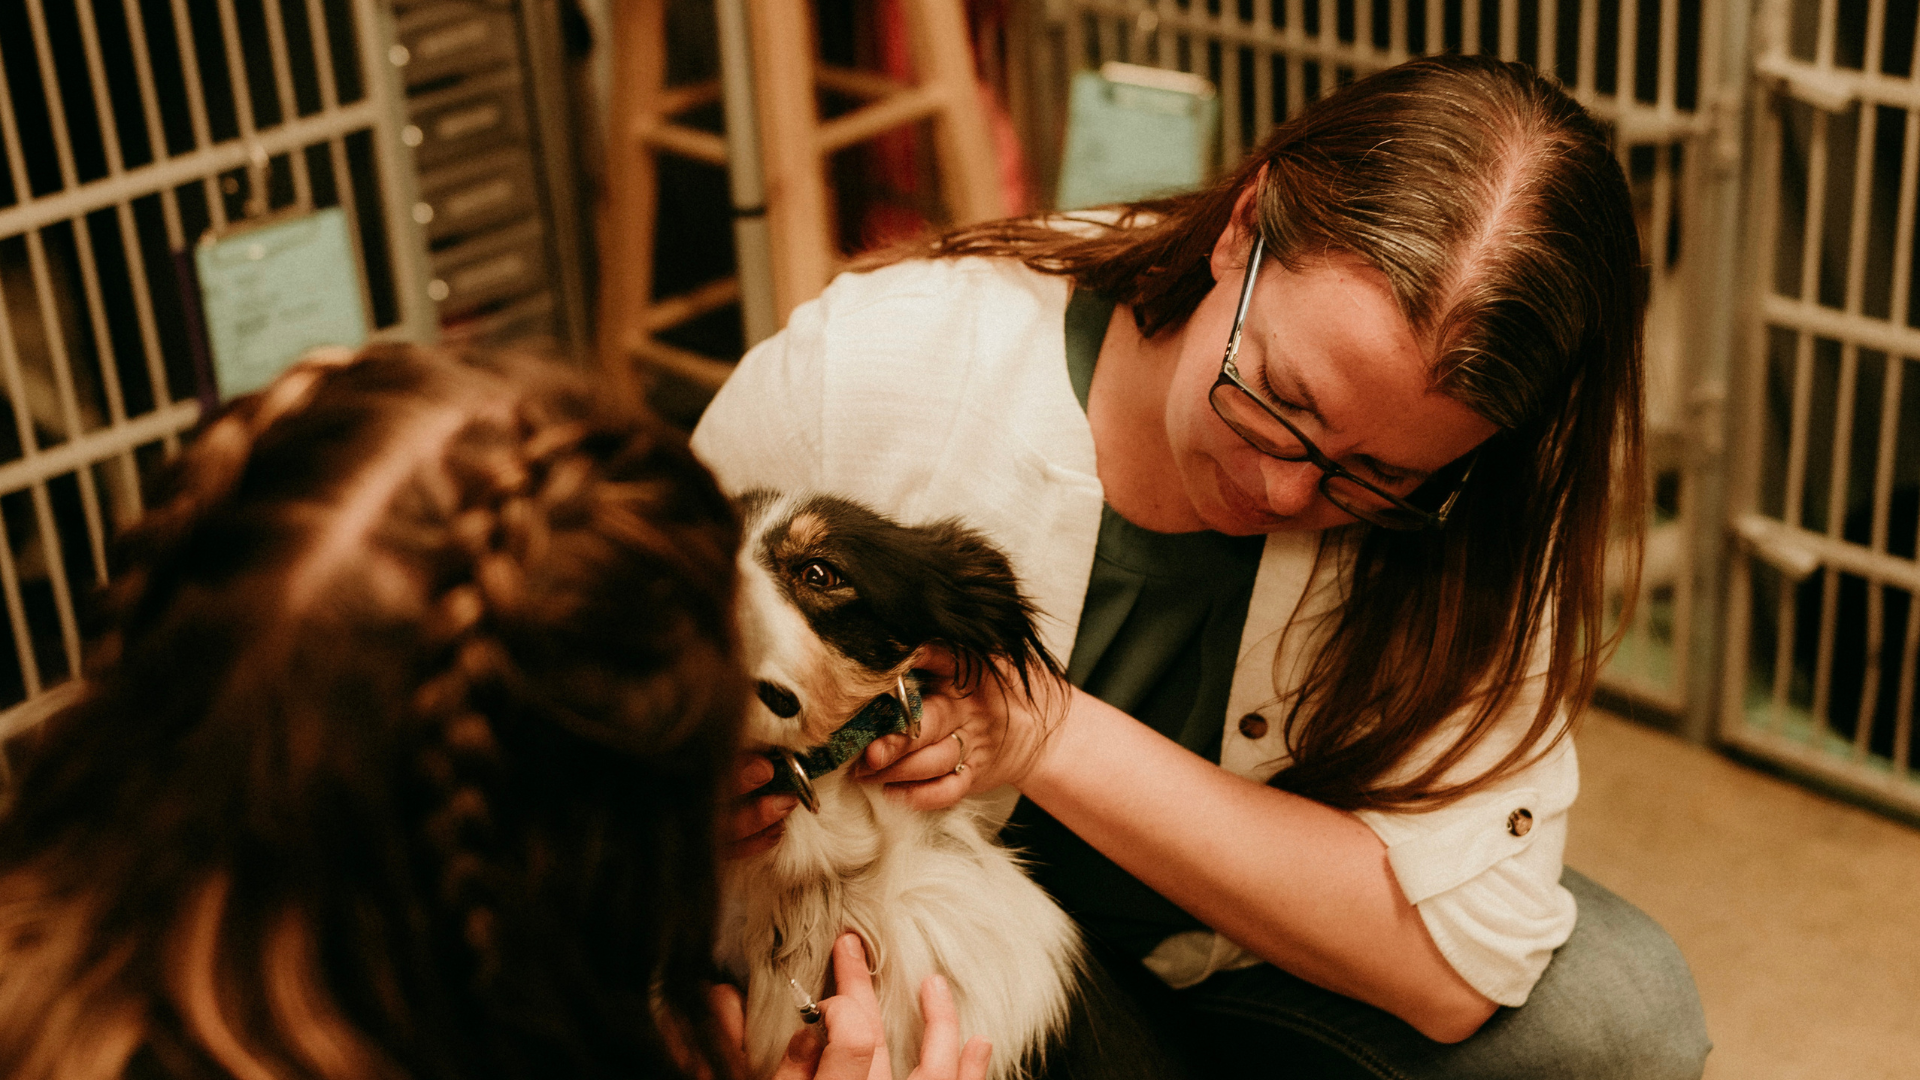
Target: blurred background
[{"x": 651, "y": 185}]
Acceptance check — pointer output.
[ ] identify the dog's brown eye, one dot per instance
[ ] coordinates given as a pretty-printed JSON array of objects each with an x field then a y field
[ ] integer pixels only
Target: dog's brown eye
[{"x": 819, "y": 575}]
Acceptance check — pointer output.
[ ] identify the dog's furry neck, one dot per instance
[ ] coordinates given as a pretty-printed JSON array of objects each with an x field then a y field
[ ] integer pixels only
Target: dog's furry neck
[{"x": 927, "y": 892}]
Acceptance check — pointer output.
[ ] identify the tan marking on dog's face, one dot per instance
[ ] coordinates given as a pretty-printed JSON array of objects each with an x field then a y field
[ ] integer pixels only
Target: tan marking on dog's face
[{"x": 805, "y": 530}]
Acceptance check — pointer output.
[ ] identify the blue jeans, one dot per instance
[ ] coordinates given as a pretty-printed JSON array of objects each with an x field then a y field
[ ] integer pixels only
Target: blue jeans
[{"x": 1616, "y": 1003}]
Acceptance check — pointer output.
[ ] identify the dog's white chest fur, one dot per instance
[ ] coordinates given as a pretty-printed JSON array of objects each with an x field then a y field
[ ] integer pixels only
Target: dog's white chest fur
[
  {"x": 928, "y": 892},
  {"x": 834, "y": 601}
]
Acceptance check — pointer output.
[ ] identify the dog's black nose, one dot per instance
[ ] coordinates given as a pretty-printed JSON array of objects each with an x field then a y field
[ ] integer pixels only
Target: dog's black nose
[{"x": 780, "y": 700}]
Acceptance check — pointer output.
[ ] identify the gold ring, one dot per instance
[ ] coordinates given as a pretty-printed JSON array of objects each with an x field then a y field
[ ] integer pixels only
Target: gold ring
[{"x": 963, "y": 750}]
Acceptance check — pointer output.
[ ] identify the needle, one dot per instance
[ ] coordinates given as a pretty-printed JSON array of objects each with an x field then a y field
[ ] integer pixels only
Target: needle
[{"x": 809, "y": 1012}]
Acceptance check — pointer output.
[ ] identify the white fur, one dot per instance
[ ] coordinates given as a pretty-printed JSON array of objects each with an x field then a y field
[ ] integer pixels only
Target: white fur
[{"x": 927, "y": 891}]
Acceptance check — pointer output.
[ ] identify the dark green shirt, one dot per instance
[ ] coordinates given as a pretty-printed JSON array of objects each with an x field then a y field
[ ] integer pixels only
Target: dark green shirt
[{"x": 1158, "y": 637}]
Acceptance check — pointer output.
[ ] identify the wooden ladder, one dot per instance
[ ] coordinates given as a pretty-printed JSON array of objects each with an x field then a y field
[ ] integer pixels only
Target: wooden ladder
[{"x": 795, "y": 145}]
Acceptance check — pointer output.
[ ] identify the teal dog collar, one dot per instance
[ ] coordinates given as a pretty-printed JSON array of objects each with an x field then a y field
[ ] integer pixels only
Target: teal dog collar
[{"x": 793, "y": 773}]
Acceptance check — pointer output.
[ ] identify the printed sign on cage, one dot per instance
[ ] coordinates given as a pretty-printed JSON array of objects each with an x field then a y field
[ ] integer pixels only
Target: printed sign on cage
[
  {"x": 1135, "y": 132},
  {"x": 274, "y": 288}
]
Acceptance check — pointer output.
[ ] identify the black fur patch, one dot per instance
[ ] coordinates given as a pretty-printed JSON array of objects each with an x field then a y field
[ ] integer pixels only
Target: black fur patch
[{"x": 876, "y": 590}]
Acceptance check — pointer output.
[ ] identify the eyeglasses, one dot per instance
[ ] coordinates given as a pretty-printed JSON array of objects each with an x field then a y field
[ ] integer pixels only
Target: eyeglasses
[{"x": 1251, "y": 418}]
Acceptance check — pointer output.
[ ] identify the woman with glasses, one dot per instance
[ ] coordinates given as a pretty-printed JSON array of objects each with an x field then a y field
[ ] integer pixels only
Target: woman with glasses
[{"x": 1313, "y": 473}]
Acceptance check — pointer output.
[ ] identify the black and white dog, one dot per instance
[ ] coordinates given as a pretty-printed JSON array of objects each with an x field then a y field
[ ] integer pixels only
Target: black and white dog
[{"x": 835, "y": 601}]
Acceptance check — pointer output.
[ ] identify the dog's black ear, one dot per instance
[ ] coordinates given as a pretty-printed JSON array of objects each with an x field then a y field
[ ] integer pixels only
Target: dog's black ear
[
  {"x": 919, "y": 584},
  {"x": 963, "y": 593}
]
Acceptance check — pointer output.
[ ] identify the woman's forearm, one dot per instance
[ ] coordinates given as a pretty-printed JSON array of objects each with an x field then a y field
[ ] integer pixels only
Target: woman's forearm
[{"x": 1303, "y": 886}]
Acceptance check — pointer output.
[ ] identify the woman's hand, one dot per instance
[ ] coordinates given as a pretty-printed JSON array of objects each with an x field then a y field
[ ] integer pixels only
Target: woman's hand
[
  {"x": 850, "y": 1041},
  {"x": 756, "y": 823},
  {"x": 1002, "y": 729}
]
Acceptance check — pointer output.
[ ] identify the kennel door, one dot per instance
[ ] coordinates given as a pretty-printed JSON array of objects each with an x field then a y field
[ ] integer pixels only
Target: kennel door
[
  {"x": 128, "y": 129},
  {"x": 1822, "y": 632}
]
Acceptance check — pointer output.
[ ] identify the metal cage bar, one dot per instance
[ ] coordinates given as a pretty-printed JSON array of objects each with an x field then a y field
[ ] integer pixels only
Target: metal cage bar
[
  {"x": 190, "y": 70},
  {"x": 17, "y": 618},
  {"x": 289, "y": 103}
]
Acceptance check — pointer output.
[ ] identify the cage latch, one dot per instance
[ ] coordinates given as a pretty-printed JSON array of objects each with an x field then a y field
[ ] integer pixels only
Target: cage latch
[{"x": 1777, "y": 545}]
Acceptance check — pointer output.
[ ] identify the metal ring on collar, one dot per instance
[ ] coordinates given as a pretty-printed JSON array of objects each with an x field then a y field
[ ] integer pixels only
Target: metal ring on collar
[
  {"x": 906, "y": 706},
  {"x": 802, "y": 783}
]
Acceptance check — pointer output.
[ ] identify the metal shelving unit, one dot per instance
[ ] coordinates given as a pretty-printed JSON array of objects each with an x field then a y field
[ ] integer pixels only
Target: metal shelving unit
[{"x": 492, "y": 131}]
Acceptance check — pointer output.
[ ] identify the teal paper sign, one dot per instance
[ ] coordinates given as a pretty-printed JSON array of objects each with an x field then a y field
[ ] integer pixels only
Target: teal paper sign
[
  {"x": 1133, "y": 133},
  {"x": 272, "y": 291}
]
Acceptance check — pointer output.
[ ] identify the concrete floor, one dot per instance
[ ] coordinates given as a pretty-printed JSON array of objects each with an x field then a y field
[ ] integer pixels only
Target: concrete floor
[{"x": 1799, "y": 915}]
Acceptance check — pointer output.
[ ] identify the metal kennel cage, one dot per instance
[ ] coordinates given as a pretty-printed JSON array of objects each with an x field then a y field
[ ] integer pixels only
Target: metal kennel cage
[
  {"x": 128, "y": 128},
  {"x": 1822, "y": 632}
]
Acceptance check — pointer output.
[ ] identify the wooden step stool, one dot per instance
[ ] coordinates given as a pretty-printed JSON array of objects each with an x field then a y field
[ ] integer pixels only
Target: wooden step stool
[{"x": 795, "y": 145}]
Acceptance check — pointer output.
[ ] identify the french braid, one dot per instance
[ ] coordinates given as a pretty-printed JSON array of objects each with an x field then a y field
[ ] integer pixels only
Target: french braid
[{"x": 503, "y": 491}]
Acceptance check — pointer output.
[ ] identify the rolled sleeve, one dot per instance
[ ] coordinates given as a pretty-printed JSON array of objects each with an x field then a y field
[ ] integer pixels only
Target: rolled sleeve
[{"x": 1484, "y": 874}]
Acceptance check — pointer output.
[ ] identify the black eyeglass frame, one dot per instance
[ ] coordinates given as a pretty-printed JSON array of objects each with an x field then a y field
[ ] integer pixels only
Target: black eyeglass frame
[{"x": 1408, "y": 516}]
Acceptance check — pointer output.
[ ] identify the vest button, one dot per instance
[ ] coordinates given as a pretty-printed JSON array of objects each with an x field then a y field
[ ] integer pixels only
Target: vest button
[
  {"x": 1520, "y": 822},
  {"x": 1253, "y": 725}
]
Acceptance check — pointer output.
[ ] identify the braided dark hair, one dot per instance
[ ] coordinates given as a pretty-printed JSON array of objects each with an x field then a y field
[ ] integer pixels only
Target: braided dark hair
[{"x": 402, "y": 753}]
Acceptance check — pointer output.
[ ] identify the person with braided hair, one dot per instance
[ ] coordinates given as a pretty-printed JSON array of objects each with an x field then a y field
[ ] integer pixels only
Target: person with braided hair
[{"x": 401, "y": 755}]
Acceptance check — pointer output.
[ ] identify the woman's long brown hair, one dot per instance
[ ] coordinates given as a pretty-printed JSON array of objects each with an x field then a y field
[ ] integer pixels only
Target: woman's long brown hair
[
  {"x": 1495, "y": 208},
  {"x": 402, "y": 755}
]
